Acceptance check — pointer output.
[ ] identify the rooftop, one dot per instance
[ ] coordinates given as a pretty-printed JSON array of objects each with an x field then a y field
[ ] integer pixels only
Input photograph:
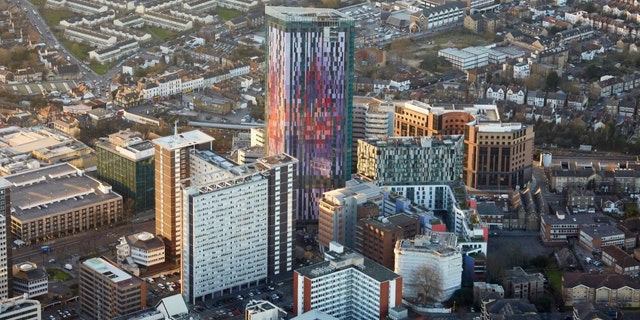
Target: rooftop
[
  {"x": 296, "y": 14},
  {"x": 183, "y": 140},
  {"x": 107, "y": 269},
  {"x": 57, "y": 188},
  {"x": 340, "y": 261}
]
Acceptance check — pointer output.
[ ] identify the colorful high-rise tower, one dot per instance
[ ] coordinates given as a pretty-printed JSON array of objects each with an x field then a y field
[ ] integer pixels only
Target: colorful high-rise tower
[{"x": 309, "y": 97}]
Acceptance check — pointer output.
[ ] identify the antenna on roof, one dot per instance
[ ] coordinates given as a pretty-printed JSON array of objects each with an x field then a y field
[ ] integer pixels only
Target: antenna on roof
[{"x": 175, "y": 129}]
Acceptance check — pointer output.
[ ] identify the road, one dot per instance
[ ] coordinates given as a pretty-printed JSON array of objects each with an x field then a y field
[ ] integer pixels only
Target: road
[
  {"x": 80, "y": 244},
  {"x": 49, "y": 38}
]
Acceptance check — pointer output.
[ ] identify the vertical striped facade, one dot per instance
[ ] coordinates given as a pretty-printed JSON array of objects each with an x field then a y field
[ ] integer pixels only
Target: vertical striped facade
[{"x": 309, "y": 97}]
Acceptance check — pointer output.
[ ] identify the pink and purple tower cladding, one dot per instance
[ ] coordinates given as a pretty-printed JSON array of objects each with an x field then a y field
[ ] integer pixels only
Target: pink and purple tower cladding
[{"x": 309, "y": 97}]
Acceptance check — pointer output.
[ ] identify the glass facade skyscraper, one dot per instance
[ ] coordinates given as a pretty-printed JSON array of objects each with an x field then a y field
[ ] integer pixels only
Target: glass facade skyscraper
[{"x": 309, "y": 97}]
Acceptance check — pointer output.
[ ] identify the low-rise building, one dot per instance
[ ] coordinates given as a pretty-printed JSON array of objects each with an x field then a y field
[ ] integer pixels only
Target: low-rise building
[
  {"x": 30, "y": 279},
  {"x": 613, "y": 289},
  {"x": 18, "y": 308},
  {"x": 620, "y": 261},
  {"x": 558, "y": 228},
  {"x": 67, "y": 202},
  {"x": 597, "y": 237},
  {"x": 145, "y": 249},
  {"x": 494, "y": 307},
  {"x": 523, "y": 285},
  {"x": 482, "y": 289}
]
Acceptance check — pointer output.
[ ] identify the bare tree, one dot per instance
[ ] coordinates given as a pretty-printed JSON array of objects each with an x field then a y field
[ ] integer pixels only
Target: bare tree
[{"x": 428, "y": 283}]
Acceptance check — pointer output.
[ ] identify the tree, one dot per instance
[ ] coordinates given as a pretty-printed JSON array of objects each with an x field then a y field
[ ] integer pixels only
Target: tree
[
  {"x": 553, "y": 80},
  {"x": 428, "y": 283}
]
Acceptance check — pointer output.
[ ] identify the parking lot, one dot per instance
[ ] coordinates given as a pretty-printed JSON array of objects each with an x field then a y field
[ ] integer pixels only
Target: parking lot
[
  {"x": 232, "y": 306},
  {"x": 162, "y": 286}
]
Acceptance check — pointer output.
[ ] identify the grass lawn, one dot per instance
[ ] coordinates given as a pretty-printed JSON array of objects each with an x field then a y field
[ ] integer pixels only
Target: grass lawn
[
  {"x": 57, "y": 274},
  {"x": 102, "y": 68},
  {"x": 228, "y": 14},
  {"x": 459, "y": 37},
  {"x": 159, "y": 34},
  {"x": 53, "y": 17},
  {"x": 555, "y": 279},
  {"x": 80, "y": 50}
]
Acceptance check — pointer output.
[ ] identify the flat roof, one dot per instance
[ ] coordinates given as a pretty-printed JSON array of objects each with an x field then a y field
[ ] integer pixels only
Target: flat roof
[
  {"x": 348, "y": 260},
  {"x": 183, "y": 140},
  {"x": 304, "y": 14},
  {"x": 108, "y": 270},
  {"x": 50, "y": 190}
]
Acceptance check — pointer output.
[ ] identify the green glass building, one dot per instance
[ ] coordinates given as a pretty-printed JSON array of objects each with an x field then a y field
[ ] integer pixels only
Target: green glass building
[{"x": 126, "y": 162}]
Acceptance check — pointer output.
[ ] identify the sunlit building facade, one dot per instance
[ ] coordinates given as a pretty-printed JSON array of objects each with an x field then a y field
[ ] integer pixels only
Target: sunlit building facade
[{"x": 309, "y": 97}]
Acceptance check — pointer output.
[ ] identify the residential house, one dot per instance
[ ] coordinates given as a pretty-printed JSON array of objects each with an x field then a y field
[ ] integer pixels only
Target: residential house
[
  {"x": 522, "y": 285},
  {"x": 577, "y": 101},
  {"x": 521, "y": 70},
  {"x": 620, "y": 261},
  {"x": 612, "y": 289},
  {"x": 556, "y": 99},
  {"x": 536, "y": 98},
  {"x": 496, "y": 93}
]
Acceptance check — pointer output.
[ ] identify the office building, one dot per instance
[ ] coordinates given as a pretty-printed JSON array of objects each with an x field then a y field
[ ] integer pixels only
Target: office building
[
  {"x": 434, "y": 253},
  {"x": 30, "y": 279},
  {"x": 376, "y": 237},
  {"x": 5, "y": 239},
  {"x": 498, "y": 154},
  {"x": 415, "y": 118},
  {"x": 20, "y": 308},
  {"x": 67, "y": 202},
  {"x": 29, "y": 148},
  {"x": 142, "y": 247},
  {"x": 125, "y": 161},
  {"x": 341, "y": 209},
  {"x": 346, "y": 286},
  {"x": 309, "y": 97},
  {"x": 411, "y": 160},
  {"x": 171, "y": 166},
  {"x": 372, "y": 118},
  {"x": 106, "y": 291},
  {"x": 239, "y": 223}
]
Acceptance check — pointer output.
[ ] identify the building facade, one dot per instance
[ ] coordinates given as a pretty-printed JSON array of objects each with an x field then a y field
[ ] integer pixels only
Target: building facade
[
  {"x": 68, "y": 202},
  {"x": 125, "y": 161},
  {"x": 523, "y": 285},
  {"x": 30, "y": 279},
  {"x": 347, "y": 286},
  {"x": 376, "y": 237},
  {"x": 309, "y": 97},
  {"x": 145, "y": 249},
  {"x": 341, "y": 209},
  {"x": 18, "y": 308},
  {"x": 612, "y": 289},
  {"x": 171, "y": 166},
  {"x": 411, "y": 160},
  {"x": 107, "y": 292},
  {"x": 239, "y": 223},
  {"x": 498, "y": 154},
  {"x": 434, "y": 252},
  {"x": 5, "y": 239}
]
